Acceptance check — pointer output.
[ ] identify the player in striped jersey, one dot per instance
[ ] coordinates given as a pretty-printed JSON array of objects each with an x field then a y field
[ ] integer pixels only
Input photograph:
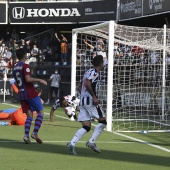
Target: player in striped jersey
[
  {"x": 30, "y": 101},
  {"x": 90, "y": 107},
  {"x": 70, "y": 105}
]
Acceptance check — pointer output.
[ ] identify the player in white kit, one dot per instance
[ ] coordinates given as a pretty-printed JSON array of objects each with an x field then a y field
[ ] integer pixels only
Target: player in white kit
[
  {"x": 90, "y": 107},
  {"x": 70, "y": 105}
]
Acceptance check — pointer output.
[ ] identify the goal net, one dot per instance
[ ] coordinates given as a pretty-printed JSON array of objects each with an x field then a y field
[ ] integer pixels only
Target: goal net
[{"x": 134, "y": 84}]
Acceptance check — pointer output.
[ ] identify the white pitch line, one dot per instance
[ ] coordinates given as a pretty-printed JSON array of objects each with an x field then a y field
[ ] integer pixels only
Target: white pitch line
[
  {"x": 101, "y": 142},
  {"x": 142, "y": 141},
  {"x": 10, "y": 104},
  {"x": 58, "y": 116},
  {"x": 120, "y": 134},
  {"x": 44, "y": 112}
]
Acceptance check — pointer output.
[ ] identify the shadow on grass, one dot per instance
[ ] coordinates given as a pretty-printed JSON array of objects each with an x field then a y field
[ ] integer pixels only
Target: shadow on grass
[{"x": 85, "y": 152}]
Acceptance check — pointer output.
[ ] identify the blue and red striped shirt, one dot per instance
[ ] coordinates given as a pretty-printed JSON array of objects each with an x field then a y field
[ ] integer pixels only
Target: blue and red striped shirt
[{"x": 26, "y": 89}]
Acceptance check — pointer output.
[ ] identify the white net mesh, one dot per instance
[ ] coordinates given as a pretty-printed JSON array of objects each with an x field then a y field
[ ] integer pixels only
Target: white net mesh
[{"x": 140, "y": 102}]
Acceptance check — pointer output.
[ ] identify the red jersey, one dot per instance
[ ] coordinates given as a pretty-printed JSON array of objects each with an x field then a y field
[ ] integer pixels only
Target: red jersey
[{"x": 26, "y": 89}]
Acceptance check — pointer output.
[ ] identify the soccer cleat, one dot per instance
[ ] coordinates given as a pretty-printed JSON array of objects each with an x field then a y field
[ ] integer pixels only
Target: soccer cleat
[
  {"x": 71, "y": 148},
  {"x": 93, "y": 147},
  {"x": 36, "y": 138},
  {"x": 26, "y": 140}
]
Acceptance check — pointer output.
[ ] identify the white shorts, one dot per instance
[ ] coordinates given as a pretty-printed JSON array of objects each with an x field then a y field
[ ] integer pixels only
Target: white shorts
[
  {"x": 88, "y": 112},
  {"x": 69, "y": 111}
]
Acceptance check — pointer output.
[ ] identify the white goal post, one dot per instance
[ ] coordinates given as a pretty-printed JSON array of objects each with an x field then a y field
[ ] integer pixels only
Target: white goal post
[
  {"x": 110, "y": 67},
  {"x": 134, "y": 84}
]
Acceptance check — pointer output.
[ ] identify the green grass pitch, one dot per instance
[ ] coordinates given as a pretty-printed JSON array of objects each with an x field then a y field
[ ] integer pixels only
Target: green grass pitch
[{"x": 118, "y": 152}]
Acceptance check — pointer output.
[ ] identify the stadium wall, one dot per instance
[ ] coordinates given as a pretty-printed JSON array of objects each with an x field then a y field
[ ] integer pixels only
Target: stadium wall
[{"x": 44, "y": 73}]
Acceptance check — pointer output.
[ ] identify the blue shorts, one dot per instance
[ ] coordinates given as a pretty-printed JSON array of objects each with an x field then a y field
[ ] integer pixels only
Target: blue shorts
[{"x": 35, "y": 104}]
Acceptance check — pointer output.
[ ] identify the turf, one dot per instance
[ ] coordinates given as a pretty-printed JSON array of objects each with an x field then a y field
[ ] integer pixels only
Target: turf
[{"x": 118, "y": 152}]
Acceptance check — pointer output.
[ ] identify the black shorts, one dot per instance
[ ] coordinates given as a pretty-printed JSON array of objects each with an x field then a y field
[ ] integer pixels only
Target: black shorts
[{"x": 55, "y": 89}]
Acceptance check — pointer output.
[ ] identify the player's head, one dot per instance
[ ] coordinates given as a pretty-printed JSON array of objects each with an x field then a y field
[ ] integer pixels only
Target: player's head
[
  {"x": 21, "y": 54},
  {"x": 73, "y": 98},
  {"x": 63, "y": 102},
  {"x": 98, "y": 61}
]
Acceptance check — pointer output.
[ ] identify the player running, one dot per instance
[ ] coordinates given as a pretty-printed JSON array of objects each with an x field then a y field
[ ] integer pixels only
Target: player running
[
  {"x": 70, "y": 105},
  {"x": 30, "y": 101},
  {"x": 89, "y": 107}
]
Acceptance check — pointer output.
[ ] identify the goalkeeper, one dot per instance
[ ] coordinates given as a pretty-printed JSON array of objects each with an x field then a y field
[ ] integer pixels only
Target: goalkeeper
[{"x": 70, "y": 105}]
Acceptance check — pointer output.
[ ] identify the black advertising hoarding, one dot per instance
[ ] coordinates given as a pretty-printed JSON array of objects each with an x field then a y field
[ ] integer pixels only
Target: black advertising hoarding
[
  {"x": 7, "y": 89},
  {"x": 3, "y": 13},
  {"x": 130, "y": 9},
  {"x": 155, "y": 6},
  {"x": 62, "y": 12}
]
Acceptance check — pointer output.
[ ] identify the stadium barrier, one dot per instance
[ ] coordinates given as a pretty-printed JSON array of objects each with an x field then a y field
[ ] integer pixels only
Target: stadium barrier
[{"x": 43, "y": 72}]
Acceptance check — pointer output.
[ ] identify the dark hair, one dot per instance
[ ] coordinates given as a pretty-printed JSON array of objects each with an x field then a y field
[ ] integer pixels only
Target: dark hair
[
  {"x": 20, "y": 53},
  {"x": 73, "y": 98},
  {"x": 97, "y": 60},
  {"x": 62, "y": 98}
]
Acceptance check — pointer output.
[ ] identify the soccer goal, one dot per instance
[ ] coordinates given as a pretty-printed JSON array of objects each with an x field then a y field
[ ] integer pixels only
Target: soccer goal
[{"x": 134, "y": 83}]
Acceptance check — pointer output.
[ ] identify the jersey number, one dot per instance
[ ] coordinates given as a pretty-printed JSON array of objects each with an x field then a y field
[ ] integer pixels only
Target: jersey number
[{"x": 19, "y": 79}]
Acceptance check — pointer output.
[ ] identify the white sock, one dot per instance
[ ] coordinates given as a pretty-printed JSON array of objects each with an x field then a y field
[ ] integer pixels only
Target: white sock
[
  {"x": 97, "y": 131},
  {"x": 79, "y": 134}
]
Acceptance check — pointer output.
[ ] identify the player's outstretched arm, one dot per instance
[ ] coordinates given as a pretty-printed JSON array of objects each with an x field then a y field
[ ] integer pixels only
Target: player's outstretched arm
[
  {"x": 31, "y": 79},
  {"x": 14, "y": 87},
  {"x": 52, "y": 114}
]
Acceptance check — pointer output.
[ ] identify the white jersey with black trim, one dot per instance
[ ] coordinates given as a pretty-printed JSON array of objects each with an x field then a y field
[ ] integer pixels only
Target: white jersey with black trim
[
  {"x": 71, "y": 100},
  {"x": 56, "y": 104},
  {"x": 92, "y": 75}
]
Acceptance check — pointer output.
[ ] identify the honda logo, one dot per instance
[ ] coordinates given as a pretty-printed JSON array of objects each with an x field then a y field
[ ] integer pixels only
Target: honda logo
[{"x": 18, "y": 12}]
